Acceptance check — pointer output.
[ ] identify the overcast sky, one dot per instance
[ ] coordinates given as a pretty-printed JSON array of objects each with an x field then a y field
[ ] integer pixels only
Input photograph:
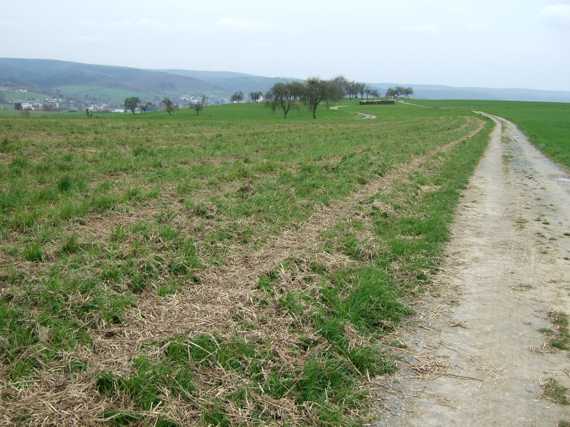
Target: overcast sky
[{"x": 492, "y": 43}]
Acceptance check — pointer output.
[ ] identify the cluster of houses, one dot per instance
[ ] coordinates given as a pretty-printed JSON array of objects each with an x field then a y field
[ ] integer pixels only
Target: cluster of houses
[
  {"x": 58, "y": 104},
  {"x": 92, "y": 106},
  {"x": 48, "y": 104}
]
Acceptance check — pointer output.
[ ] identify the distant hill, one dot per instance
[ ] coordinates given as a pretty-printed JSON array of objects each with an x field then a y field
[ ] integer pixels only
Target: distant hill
[
  {"x": 97, "y": 82},
  {"x": 232, "y": 82},
  {"x": 24, "y": 79},
  {"x": 450, "y": 92}
]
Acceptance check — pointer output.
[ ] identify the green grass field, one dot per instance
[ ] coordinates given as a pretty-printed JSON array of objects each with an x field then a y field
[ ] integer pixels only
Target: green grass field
[{"x": 229, "y": 269}]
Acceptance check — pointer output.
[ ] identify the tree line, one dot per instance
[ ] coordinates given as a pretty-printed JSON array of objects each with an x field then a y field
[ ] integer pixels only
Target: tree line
[
  {"x": 398, "y": 91},
  {"x": 314, "y": 91},
  {"x": 239, "y": 96},
  {"x": 354, "y": 90},
  {"x": 287, "y": 96},
  {"x": 134, "y": 103}
]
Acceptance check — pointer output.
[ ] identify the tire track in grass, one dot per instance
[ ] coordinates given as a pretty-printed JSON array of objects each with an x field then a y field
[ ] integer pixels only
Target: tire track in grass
[{"x": 225, "y": 284}]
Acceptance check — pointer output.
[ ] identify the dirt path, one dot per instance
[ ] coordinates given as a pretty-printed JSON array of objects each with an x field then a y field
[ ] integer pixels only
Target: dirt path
[
  {"x": 400, "y": 101},
  {"x": 475, "y": 355},
  {"x": 366, "y": 116}
]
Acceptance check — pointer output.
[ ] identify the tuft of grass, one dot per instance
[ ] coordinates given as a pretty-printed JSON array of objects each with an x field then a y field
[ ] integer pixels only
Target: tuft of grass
[
  {"x": 266, "y": 281},
  {"x": 235, "y": 354},
  {"x": 366, "y": 297},
  {"x": 555, "y": 392},
  {"x": 71, "y": 245},
  {"x": 561, "y": 335},
  {"x": 65, "y": 184},
  {"x": 328, "y": 379},
  {"x": 149, "y": 382},
  {"x": 215, "y": 416},
  {"x": 291, "y": 303},
  {"x": 370, "y": 361},
  {"x": 34, "y": 252}
]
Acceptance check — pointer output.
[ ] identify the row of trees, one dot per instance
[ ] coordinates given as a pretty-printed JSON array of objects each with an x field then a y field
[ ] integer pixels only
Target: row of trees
[
  {"x": 256, "y": 96},
  {"x": 355, "y": 90},
  {"x": 312, "y": 92},
  {"x": 239, "y": 96},
  {"x": 133, "y": 103},
  {"x": 286, "y": 96},
  {"x": 397, "y": 91}
]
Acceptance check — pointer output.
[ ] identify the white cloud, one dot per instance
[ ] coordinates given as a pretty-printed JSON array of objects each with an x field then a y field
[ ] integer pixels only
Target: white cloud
[
  {"x": 423, "y": 29},
  {"x": 557, "y": 12},
  {"x": 129, "y": 24},
  {"x": 241, "y": 25}
]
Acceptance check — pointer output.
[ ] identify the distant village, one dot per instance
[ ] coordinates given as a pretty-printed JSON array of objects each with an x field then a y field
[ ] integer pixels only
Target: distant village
[{"x": 66, "y": 104}]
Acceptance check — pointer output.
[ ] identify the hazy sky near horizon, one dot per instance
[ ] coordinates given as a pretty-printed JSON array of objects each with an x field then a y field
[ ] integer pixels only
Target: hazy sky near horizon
[{"x": 491, "y": 43}]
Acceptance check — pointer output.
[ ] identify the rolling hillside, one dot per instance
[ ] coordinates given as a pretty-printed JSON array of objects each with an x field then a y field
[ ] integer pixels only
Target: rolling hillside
[
  {"x": 110, "y": 84},
  {"x": 230, "y": 81},
  {"x": 97, "y": 82}
]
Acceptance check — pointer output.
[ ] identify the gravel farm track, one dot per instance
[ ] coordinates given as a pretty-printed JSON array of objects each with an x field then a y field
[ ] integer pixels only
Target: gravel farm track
[{"x": 476, "y": 352}]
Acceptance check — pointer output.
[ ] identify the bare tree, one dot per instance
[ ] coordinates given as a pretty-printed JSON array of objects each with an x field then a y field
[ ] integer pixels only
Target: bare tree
[
  {"x": 395, "y": 92},
  {"x": 256, "y": 96},
  {"x": 344, "y": 85},
  {"x": 353, "y": 90},
  {"x": 132, "y": 103},
  {"x": 169, "y": 106},
  {"x": 285, "y": 96},
  {"x": 317, "y": 91},
  {"x": 237, "y": 97},
  {"x": 374, "y": 93},
  {"x": 199, "y": 105},
  {"x": 146, "y": 107},
  {"x": 362, "y": 89},
  {"x": 270, "y": 100}
]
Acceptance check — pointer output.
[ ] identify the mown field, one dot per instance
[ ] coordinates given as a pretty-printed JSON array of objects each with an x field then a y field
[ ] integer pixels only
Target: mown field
[
  {"x": 547, "y": 124},
  {"x": 228, "y": 269}
]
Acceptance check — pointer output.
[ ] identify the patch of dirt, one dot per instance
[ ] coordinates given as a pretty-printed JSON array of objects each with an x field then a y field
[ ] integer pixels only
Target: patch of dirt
[
  {"x": 366, "y": 116},
  {"x": 471, "y": 357}
]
